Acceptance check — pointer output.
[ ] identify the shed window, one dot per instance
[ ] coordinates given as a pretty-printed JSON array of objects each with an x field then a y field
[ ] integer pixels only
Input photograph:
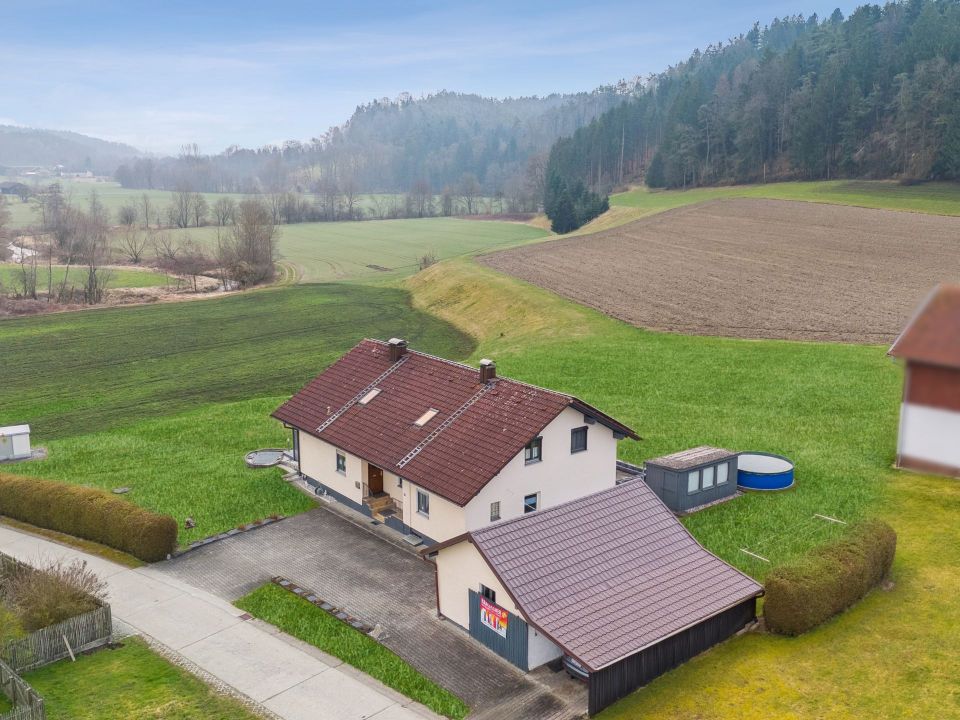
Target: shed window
[
  {"x": 494, "y": 511},
  {"x": 578, "y": 439},
  {"x": 708, "y": 477},
  {"x": 341, "y": 463},
  {"x": 723, "y": 469},
  {"x": 533, "y": 452},
  {"x": 530, "y": 502},
  {"x": 693, "y": 481},
  {"x": 489, "y": 594},
  {"x": 423, "y": 503}
]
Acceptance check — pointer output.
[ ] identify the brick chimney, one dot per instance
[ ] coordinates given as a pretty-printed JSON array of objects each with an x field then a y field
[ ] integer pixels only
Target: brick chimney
[
  {"x": 488, "y": 370},
  {"x": 398, "y": 348}
]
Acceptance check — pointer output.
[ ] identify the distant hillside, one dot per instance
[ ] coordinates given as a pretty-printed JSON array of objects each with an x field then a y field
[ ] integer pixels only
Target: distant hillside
[
  {"x": 391, "y": 145},
  {"x": 21, "y": 146},
  {"x": 873, "y": 95}
]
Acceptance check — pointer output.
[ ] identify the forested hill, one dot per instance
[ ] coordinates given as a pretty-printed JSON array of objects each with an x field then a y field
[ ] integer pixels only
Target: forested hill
[
  {"x": 27, "y": 147},
  {"x": 875, "y": 95},
  {"x": 441, "y": 140}
]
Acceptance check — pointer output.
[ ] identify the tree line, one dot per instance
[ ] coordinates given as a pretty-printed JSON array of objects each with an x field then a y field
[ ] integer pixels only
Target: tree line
[
  {"x": 391, "y": 146},
  {"x": 873, "y": 95}
]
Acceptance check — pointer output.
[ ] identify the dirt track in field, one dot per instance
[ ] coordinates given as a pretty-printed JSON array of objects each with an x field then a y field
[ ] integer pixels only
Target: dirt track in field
[{"x": 753, "y": 269}]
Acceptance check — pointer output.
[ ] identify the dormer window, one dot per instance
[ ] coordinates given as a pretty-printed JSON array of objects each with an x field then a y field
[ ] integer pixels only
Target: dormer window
[
  {"x": 426, "y": 417},
  {"x": 369, "y": 396}
]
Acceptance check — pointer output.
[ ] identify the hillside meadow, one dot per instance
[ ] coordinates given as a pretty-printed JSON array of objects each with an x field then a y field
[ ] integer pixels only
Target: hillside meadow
[{"x": 381, "y": 249}]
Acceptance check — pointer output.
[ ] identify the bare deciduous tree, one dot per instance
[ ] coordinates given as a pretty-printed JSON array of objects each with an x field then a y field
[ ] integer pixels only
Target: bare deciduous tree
[
  {"x": 133, "y": 244},
  {"x": 145, "y": 208},
  {"x": 127, "y": 215},
  {"x": 224, "y": 210}
]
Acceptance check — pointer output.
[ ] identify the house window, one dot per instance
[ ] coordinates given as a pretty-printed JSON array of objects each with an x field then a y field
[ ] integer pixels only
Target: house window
[
  {"x": 723, "y": 470},
  {"x": 341, "y": 463},
  {"x": 533, "y": 452},
  {"x": 578, "y": 439},
  {"x": 530, "y": 502},
  {"x": 487, "y": 593},
  {"x": 494, "y": 511},
  {"x": 693, "y": 481},
  {"x": 423, "y": 503},
  {"x": 707, "y": 477}
]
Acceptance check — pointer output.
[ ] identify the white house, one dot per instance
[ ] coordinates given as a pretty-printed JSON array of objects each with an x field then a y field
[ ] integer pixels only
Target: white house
[
  {"x": 929, "y": 439},
  {"x": 435, "y": 448}
]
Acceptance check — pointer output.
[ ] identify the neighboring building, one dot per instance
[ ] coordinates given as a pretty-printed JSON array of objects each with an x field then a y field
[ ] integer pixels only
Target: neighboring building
[
  {"x": 14, "y": 442},
  {"x": 434, "y": 448},
  {"x": 14, "y": 188},
  {"x": 929, "y": 439},
  {"x": 612, "y": 580},
  {"x": 693, "y": 478}
]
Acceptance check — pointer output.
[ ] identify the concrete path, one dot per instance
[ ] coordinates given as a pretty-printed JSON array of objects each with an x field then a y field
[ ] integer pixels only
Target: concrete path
[{"x": 293, "y": 680}]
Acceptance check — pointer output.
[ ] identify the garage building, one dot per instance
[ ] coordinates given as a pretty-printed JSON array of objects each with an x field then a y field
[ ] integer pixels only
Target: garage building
[{"x": 613, "y": 580}]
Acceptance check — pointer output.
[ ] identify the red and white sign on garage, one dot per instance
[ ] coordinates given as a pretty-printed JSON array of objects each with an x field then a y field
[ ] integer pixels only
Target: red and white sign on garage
[{"x": 494, "y": 617}]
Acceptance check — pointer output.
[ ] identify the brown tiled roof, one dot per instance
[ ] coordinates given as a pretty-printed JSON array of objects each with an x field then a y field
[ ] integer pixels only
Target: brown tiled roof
[
  {"x": 494, "y": 423},
  {"x": 610, "y": 574},
  {"x": 933, "y": 335},
  {"x": 693, "y": 457}
]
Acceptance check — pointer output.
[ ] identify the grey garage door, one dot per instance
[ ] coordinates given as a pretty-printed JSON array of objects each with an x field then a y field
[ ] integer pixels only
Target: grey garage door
[{"x": 512, "y": 647}]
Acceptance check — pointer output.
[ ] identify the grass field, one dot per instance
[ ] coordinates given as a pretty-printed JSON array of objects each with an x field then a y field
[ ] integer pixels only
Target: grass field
[
  {"x": 831, "y": 408},
  {"x": 131, "y": 682},
  {"x": 10, "y": 277},
  {"x": 383, "y": 249},
  {"x": 295, "y": 616}
]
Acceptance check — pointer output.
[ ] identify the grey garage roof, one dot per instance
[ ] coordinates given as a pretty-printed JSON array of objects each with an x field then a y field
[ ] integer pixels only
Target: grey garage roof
[
  {"x": 694, "y": 457},
  {"x": 610, "y": 574}
]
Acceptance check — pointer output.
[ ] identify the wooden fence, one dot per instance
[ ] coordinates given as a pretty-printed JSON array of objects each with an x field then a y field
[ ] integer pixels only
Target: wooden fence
[
  {"x": 56, "y": 642},
  {"x": 27, "y": 705}
]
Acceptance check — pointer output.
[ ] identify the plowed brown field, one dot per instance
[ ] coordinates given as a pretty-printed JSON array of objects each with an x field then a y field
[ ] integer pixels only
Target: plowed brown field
[{"x": 754, "y": 269}]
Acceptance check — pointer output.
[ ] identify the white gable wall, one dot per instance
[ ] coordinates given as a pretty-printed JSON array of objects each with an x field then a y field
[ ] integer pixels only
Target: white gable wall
[
  {"x": 930, "y": 434},
  {"x": 559, "y": 477},
  {"x": 318, "y": 459}
]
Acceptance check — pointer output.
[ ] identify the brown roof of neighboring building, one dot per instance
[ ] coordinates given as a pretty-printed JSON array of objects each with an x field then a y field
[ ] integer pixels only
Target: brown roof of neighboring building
[
  {"x": 478, "y": 429},
  {"x": 693, "y": 457},
  {"x": 609, "y": 574},
  {"x": 933, "y": 334}
]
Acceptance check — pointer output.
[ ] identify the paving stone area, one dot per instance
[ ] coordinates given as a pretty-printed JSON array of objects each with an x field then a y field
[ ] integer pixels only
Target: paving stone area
[{"x": 379, "y": 584}]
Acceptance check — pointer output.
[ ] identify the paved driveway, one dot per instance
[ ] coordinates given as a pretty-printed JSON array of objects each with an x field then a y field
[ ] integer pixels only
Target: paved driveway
[{"x": 371, "y": 579}]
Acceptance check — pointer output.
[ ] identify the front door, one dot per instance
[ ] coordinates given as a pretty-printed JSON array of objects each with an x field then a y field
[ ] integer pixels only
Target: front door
[{"x": 374, "y": 479}]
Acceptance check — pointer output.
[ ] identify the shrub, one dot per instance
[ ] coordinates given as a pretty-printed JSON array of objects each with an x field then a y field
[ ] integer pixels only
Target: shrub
[
  {"x": 45, "y": 596},
  {"x": 90, "y": 514},
  {"x": 831, "y": 578}
]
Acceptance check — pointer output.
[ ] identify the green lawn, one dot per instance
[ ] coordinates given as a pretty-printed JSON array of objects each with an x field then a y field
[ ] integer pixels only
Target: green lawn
[
  {"x": 382, "y": 249},
  {"x": 129, "y": 683},
  {"x": 831, "y": 408},
  {"x": 295, "y": 616},
  {"x": 10, "y": 275}
]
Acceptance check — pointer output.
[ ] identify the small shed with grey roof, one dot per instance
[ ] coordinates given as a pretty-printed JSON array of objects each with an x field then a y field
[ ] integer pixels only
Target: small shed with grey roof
[
  {"x": 612, "y": 580},
  {"x": 693, "y": 478}
]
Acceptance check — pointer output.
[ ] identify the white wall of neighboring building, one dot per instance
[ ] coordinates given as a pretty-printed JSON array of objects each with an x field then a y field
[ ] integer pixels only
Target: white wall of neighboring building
[
  {"x": 540, "y": 650},
  {"x": 446, "y": 519},
  {"x": 318, "y": 459},
  {"x": 559, "y": 477},
  {"x": 930, "y": 434},
  {"x": 461, "y": 568}
]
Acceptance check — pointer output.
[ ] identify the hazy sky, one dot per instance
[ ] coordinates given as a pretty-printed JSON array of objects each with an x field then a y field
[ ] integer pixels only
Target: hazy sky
[{"x": 160, "y": 74}]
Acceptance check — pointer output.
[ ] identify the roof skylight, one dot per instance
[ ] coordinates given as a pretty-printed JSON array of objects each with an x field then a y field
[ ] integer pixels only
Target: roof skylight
[
  {"x": 369, "y": 396},
  {"x": 426, "y": 417}
]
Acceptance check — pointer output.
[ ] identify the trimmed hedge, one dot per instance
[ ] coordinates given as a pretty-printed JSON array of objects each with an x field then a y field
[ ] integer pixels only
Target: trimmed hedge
[
  {"x": 90, "y": 514},
  {"x": 831, "y": 578}
]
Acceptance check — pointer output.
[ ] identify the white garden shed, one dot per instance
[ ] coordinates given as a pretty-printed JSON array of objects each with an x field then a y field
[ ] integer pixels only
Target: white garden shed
[{"x": 14, "y": 442}]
